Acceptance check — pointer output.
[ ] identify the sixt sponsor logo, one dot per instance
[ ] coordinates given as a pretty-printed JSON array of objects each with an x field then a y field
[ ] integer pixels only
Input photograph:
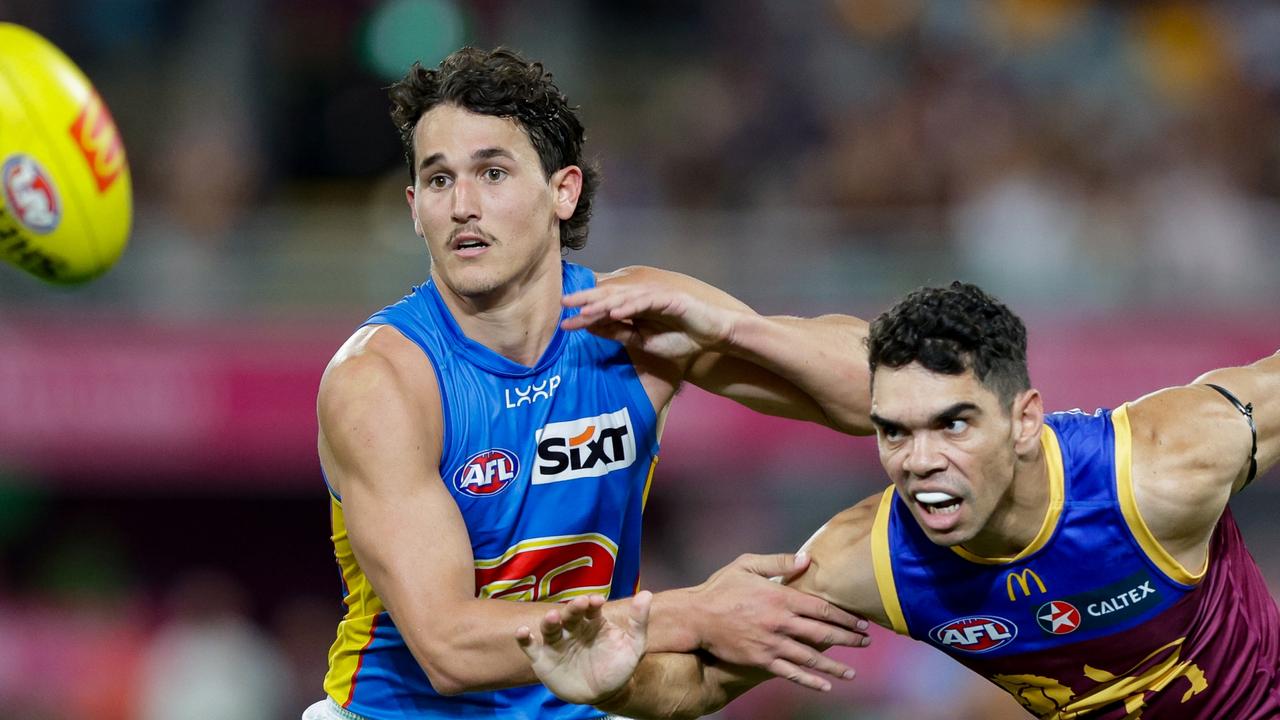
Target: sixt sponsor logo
[
  {"x": 532, "y": 393},
  {"x": 1058, "y": 617},
  {"x": 975, "y": 634},
  {"x": 30, "y": 195},
  {"x": 94, "y": 132},
  {"x": 586, "y": 447},
  {"x": 486, "y": 473},
  {"x": 1131, "y": 597}
]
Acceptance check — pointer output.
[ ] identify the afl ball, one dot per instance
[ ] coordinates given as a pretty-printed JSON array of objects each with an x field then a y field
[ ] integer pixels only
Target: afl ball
[{"x": 66, "y": 198}]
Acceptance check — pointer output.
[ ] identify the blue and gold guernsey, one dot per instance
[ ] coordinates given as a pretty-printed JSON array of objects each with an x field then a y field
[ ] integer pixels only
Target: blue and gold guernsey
[
  {"x": 550, "y": 466},
  {"x": 1094, "y": 618}
]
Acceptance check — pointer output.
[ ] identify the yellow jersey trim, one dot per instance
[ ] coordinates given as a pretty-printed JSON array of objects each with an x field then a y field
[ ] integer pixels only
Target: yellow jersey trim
[
  {"x": 882, "y": 563},
  {"x": 1053, "y": 459},
  {"x": 648, "y": 483},
  {"x": 355, "y": 631},
  {"x": 1129, "y": 505}
]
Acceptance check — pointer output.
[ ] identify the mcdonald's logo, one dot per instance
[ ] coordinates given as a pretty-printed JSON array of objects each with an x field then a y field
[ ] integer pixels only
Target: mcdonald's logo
[
  {"x": 1021, "y": 579},
  {"x": 96, "y": 135}
]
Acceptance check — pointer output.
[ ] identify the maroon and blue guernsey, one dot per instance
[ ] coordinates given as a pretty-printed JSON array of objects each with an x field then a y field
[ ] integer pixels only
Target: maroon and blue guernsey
[{"x": 1094, "y": 618}]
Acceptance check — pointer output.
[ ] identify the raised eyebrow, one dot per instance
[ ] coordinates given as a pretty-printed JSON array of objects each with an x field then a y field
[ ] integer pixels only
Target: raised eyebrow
[
  {"x": 430, "y": 160},
  {"x": 492, "y": 152},
  {"x": 482, "y": 154}
]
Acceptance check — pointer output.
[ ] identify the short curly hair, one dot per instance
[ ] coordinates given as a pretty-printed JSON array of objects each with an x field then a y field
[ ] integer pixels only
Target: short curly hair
[
  {"x": 503, "y": 84},
  {"x": 951, "y": 330}
]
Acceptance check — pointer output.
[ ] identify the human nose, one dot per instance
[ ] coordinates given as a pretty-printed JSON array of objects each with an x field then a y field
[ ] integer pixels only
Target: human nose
[
  {"x": 924, "y": 456},
  {"x": 466, "y": 202}
]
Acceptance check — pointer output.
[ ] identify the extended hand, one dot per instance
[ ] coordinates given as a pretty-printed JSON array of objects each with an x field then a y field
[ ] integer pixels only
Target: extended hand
[
  {"x": 652, "y": 317},
  {"x": 745, "y": 619},
  {"x": 580, "y": 655}
]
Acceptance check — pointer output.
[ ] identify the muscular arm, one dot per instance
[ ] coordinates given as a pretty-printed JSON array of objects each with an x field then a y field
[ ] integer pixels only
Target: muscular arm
[
  {"x": 380, "y": 445},
  {"x": 688, "y": 685},
  {"x": 804, "y": 368},
  {"x": 1191, "y": 452},
  {"x": 824, "y": 358}
]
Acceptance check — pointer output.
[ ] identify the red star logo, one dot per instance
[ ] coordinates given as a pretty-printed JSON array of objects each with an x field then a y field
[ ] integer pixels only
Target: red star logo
[{"x": 1057, "y": 617}]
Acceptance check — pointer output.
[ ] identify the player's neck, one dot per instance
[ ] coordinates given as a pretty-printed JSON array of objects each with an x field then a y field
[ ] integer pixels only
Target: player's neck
[
  {"x": 516, "y": 320},
  {"x": 1021, "y": 514}
]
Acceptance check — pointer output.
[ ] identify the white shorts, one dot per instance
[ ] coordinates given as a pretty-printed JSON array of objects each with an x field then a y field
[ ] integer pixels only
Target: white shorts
[{"x": 327, "y": 709}]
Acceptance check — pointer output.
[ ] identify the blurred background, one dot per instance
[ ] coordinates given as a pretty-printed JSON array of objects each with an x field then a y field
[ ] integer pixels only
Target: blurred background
[{"x": 1109, "y": 168}]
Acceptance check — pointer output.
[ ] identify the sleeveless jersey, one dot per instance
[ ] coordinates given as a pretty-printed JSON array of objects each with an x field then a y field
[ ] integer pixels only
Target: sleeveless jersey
[
  {"x": 1094, "y": 618},
  {"x": 550, "y": 466}
]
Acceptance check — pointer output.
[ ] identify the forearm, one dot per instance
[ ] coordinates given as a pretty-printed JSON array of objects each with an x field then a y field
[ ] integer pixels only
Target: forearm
[
  {"x": 474, "y": 650},
  {"x": 673, "y": 621},
  {"x": 466, "y": 646},
  {"x": 825, "y": 357},
  {"x": 680, "y": 685}
]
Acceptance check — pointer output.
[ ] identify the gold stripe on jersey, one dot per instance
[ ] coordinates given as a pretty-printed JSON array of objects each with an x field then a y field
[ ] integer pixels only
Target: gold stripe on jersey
[
  {"x": 355, "y": 631},
  {"x": 644, "y": 502},
  {"x": 1053, "y": 460},
  {"x": 1129, "y": 505},
  {"x": 648, "y": 483},
  {"x": 882, "y": 563}
]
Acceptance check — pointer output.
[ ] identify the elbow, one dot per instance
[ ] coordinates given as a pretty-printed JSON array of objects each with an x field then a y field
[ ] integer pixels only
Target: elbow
[
  {"x": 447, "y": 687},
  {"x": 446, "y": 678}
]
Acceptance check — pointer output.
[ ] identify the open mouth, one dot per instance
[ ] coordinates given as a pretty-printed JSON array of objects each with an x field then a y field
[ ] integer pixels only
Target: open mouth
[
  {"x": 469, "y": 243},
  {"x": 938, "y": 503}
]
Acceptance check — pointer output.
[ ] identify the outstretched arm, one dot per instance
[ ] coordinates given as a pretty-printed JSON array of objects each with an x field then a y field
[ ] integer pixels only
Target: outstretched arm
[
  {"x": 805, "y": 368},
  {"x": 586, "y": 658},
  {"x": 1191, "y": 452}
]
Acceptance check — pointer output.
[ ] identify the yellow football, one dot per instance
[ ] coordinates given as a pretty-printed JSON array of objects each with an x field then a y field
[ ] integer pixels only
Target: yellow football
[{"x": 66, "y": 202}]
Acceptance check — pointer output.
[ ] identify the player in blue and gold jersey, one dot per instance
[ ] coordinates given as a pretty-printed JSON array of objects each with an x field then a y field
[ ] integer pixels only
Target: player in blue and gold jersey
[
  {"x": 477, "y": 453},
  {"x": 1087, "y": 564}
]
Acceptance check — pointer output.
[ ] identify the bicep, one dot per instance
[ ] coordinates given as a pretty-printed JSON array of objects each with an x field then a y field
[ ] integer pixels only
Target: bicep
[
  {"x": 380, "y": 444},
  {"x": 1191, "y": 450},
  {"x": 841, "y": 571},
  {"x": 1257, "y": 385}
]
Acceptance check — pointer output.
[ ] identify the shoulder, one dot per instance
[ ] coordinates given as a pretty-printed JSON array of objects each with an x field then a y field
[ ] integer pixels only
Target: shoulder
[
  {"x": 1188, "y": 451},
  {"x": 851, "y": 526},
  {"x": 1188, "y": 431},
  {"x": 377, "y": 367},
  {"x": 841, "y": 569}
]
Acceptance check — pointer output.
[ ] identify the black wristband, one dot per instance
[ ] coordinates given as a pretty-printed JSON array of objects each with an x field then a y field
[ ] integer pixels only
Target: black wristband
[{"x": 1247, "y": 411}]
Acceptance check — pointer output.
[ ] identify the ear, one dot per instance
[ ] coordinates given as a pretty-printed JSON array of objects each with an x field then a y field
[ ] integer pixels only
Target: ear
[
  {"x": 566, "y": 184},
  {"x": 409, "y": 194},
  {"x": 1027, "y": 420}
]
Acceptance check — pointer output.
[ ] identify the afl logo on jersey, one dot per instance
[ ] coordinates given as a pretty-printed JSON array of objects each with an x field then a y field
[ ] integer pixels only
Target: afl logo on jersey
[
  {"x": 29, "y": 194},
  {"x": 975, "y": 634},
  {"x": 486, "y": 473},
  {"x": 1058, "y": 617}
]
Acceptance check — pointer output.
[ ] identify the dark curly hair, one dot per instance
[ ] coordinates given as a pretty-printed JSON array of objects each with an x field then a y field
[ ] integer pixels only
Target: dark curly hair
[
  {"x": 503, "y": 84},
  {"x": 950, "y": 330}
]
